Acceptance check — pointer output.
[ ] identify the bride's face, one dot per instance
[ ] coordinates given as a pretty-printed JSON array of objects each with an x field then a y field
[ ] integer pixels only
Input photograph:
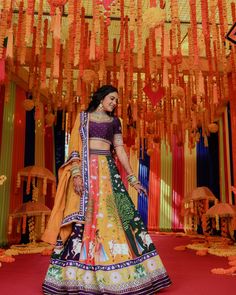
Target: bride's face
[{"x": 110, "y": 101}]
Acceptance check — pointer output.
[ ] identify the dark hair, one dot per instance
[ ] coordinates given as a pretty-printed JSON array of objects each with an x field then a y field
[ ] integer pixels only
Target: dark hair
[{"x": 98, "y": 96}]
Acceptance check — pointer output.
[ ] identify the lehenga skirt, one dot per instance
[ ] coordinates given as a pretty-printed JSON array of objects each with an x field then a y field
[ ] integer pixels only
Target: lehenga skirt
[{"x": 112, "y": 253}]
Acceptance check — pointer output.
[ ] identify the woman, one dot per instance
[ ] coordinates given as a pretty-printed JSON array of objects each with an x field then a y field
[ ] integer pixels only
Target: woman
[{"x": 102, "y": 245}]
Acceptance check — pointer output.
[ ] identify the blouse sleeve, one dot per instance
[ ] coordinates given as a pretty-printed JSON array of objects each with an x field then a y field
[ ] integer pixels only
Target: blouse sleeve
[{"x": 117, "y": 133}]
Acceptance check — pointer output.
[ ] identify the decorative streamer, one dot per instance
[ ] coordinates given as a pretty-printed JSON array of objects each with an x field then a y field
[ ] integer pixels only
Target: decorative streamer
[
  {"x": 222, "y": 162},
  {"x": 39, "y": 138},
  {"x": 77, "y": 33},
  {"x": 154, "y": 190},
  {"x": 6, "y": 162},
  {"x": 18, "y": 149},
  {"x": 177, "y": 183},
  {"x": 227, "y": 156},
  {"x": 144, "y": 164},
  {"x": 194, "y": 30},
  {"x": 2, "y": 95},
  {"x": 44, "y": 57},
  {"x": 139, "y": 35},
  {"x": 19, "y": 35},
  {"x": 233, "y": 126},
  {"x": 29, "y": 20},
  {"x": 166, "y": 188}
]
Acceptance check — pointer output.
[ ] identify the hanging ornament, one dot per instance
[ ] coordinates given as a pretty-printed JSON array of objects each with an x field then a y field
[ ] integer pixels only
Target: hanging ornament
[
  {"x": 213, "y": 127},
  {"x": 107, "y": 6},
  {"x": 56, "y": 3},
  {"x": 177, "y": 92},
  {"x": 89, "y": 76},
  {"x": 28, "y": 104},
  {"x": 154, "y": 17},
  {"x": 49, "y": 119},
  {"x": 175, "y": 59},
  {"x": 155, "y": 94}
]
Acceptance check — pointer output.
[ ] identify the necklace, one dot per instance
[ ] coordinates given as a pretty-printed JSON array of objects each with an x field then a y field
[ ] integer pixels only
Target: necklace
[{"x": 100, "y": 117}]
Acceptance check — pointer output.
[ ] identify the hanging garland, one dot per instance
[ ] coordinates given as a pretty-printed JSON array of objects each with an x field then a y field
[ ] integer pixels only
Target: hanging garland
[{"x": 82, "y": 59}]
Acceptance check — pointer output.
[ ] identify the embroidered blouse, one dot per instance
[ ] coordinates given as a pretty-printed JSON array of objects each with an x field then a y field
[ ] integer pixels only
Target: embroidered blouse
[{"x": 109, "y": 132}]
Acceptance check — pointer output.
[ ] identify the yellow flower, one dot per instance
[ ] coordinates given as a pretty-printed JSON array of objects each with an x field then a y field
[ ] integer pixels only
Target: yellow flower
[{"x": 2, "y": 179}]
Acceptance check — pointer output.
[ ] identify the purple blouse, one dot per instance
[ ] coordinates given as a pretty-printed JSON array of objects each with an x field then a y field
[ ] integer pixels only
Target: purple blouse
[{"x": 105, "y": 130}]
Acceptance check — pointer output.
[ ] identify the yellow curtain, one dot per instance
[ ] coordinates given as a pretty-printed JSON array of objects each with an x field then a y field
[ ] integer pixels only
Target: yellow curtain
[
  {"x": 6, "y": 162},
  {"x": 190, "y": 168},
  {"x": 166, "y": 188}
]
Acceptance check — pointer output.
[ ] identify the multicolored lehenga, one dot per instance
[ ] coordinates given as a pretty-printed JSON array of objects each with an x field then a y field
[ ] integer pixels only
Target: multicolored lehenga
[{"x": 111, "y": 252}]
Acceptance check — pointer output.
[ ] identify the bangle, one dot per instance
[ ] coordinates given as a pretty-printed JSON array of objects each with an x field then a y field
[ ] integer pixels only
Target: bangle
[
  {"x": 75, "y": 170},
  {"x": 132, "y": 179}
]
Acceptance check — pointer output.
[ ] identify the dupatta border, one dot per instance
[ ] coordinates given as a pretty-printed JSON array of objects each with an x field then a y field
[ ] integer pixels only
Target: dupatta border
[{"x": 84, "y": 133}]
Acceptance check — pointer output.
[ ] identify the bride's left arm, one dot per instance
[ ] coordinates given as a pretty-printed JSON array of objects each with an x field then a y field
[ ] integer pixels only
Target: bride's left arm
[{"x": 124, "y": 160}]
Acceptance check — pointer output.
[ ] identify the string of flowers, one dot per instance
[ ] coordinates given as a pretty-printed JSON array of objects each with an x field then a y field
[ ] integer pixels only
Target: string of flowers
[
  {"x": 44, "y": 57},
  {"x": 19, "y": 35},
  {"x": 193, "y": 20},
  {"x": 139, "y": 35},
  {"x": 29, "y": 20},
  {"x": 39, "y": 28}
]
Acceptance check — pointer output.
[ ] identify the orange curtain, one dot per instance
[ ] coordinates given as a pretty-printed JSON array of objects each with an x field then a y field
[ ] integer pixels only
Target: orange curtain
[
  {"x": 154, "y": 190},
  {"x": 17, "y": 155}
]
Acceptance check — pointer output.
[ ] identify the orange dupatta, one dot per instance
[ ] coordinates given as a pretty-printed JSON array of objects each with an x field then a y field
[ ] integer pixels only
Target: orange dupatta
[{"x": 67, "y": 202}]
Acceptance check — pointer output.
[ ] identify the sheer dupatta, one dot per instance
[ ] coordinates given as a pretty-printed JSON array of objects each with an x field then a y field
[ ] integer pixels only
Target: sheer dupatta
[{"x": 69, "y": 207}]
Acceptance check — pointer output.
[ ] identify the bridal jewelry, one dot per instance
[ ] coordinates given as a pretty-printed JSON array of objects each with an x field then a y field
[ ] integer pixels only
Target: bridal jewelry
[
  {"x": 100, "y": 117},
  {"x": 100, "y": 108}
]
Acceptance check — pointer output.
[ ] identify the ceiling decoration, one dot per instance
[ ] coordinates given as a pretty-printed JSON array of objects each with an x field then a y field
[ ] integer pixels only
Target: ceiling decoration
[{"x": 64, "y": 49}]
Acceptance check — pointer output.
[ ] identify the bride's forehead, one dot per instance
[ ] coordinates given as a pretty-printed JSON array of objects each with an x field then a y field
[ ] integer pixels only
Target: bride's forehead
[{"x": 112, "y": 95}]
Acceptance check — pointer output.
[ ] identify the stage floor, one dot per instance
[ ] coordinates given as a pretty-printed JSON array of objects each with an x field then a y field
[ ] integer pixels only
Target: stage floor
[{"x": 190, "y": 274}]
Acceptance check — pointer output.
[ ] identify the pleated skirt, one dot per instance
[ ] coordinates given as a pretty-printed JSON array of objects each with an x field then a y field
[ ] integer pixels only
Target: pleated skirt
[{"x": 112, "y": 252}]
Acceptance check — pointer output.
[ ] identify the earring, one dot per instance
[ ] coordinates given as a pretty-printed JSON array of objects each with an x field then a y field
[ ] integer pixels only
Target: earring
[{"x": 100, "y": 107}]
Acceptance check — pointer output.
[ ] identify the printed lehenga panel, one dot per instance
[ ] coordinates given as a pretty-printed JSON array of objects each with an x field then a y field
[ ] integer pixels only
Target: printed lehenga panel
[{"x": 111, "y": 253}]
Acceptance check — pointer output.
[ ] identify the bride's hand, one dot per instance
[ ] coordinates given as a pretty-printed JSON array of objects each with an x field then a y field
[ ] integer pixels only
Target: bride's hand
[
  {"x": 140, "y": 189},
  {"x": 78, "y": 184}
]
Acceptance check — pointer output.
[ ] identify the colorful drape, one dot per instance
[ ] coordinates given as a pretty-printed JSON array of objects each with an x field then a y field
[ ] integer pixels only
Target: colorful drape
[
  {"x": 6, "y": 162},
  {"x": 17, "y": 156},
  {"x": 144, "y": 164},
  {"x": 166, "y": 188},
  {"x": 2, "y": 94},
  {"x": 232, "y": 95},
  {"x": 49, "y": 159},
  {"x": 154, "y": 190},
  {"x": 227, "y": 157},
  {"x": 222, "y": 162},
  {"x": 177, "y": 184}
]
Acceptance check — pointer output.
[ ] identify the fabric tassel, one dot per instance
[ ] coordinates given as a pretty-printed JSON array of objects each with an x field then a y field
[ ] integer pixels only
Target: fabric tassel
[
  {"x": 57, "y": 25},
  {"x": 56, "y": 64},
  {"x": 121, "y": 77},
  {"x": 215, "y": 94},
  {"x": 92, "y": 48},
  {"x": 9, "y": 52}
]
